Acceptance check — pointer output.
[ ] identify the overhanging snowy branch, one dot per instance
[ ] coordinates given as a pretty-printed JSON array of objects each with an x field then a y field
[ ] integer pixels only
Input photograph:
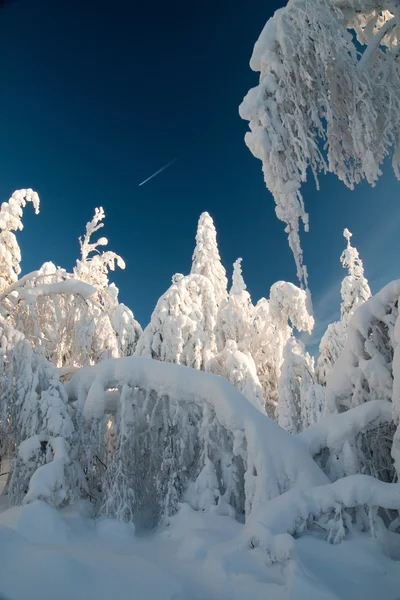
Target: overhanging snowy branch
[
  {"x": 333, "y": 431},
  {"x": 290, "y": 512}
]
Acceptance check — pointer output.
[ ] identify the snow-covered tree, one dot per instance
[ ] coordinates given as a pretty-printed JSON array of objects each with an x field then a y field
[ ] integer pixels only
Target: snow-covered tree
[
  {"x": 366, "y": 371},
  {"x": 73, "y": 319},
  {"x": 328, "y": 99},
  {"x": 10, "y": 220},
  {"x": 93, "y": 266},
  {"x": 206, "y": 260},
  {"x": 35, "y": 424},
  {"x": 300, "y": 398},
  {"x": 363, "y": 371},
  {"x": 354, "y": 291},
  {"x": 239, "y": 368},
  {"x": 271, "y": 332},
  {"x": 235, "y": 314},
  {"x": 127, "y": 329},
  {"x": 182, "y": 326}
]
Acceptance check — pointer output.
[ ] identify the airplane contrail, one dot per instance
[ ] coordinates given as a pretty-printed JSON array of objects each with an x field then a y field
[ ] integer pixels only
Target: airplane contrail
[{"x": 159, "y": 171}]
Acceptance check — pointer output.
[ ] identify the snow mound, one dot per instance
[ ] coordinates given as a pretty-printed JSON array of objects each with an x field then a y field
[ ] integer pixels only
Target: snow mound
[{"x": 40, "y": 523}]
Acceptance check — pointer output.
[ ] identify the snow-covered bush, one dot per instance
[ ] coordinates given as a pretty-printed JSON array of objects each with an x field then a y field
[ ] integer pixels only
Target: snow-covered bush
[
  {"x": 358, "y": 440},
  {"x": 127, "y": 329}
]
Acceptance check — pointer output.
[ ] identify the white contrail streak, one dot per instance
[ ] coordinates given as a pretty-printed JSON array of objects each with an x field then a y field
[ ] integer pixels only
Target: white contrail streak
[{"x": 159, "y": 171}]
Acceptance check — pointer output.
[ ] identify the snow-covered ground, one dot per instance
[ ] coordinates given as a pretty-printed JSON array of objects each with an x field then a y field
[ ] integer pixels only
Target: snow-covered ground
[{"x": 48, "y": 555}]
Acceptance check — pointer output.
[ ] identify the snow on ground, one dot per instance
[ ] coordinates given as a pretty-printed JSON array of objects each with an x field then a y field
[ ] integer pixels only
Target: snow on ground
[{"x": 45, "y": 554}]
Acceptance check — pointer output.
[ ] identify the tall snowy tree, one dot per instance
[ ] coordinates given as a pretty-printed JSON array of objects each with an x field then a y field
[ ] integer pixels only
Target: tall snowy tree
[
  {"x": 328, "y": 99},
  {"x": 300, "y": 398},
  {"x": 271, "y": 332},
  {"x": 354, "y": 291},
  {"x": 182, "y": 326},
  {"x": 236, "y": 313},
  {"x": 206, "y": 260},
  {"x": 367, "y": 371},
  {"x": 10, "y": 220}
]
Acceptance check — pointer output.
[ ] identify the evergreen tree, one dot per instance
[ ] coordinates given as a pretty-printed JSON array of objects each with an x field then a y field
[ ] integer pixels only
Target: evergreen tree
[
  {"x": 206, "y": 260},
  {"x": 354, "y": 291},
  {"x": 300, "y": 398},
  {"x": 10, "y": 220},
  {"x": 239, "y": 368},
  {"x": 271, "y": 332},
  {"x": 182, "y": 326},
  {"x": 236, "y": 313}
]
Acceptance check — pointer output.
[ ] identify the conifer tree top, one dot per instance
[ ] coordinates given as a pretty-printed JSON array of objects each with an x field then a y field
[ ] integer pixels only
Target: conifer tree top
[
  {"x": 238, "y": 284},
  {"x": 206, "y": 259}
]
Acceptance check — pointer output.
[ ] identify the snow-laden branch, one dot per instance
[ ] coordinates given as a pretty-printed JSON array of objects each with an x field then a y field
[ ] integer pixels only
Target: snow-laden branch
[
  {"x": 318, "y": 106},
  {"x": 190, "y": 393},
  {"x": 33, "y": 275},
  {"x": 290, "y": 512},
  {"x": 375, "y": 42},
  {"x": 333, "y": 431},
  {"x": 69, "y": 286}
]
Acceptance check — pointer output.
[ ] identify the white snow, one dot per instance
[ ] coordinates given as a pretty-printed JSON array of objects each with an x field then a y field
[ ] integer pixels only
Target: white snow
[
  {"x": 332, "y": 431},
  {"x": 69, "y": 286},
  {"x": 47, "y": 554}
]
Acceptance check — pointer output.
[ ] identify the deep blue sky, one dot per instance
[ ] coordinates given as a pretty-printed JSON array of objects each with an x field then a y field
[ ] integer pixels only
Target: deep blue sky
[{"x": 95, "y": 96}]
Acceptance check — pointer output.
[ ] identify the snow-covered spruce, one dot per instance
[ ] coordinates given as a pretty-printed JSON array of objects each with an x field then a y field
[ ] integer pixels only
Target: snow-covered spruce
[
  {"x": 182, "y": 326},
  {"x": 271, "y": 331},
  {"x": 354, "y": 291},
  {"x": 236, "y": 313},
  {"x": 206, "y": 260},
  {"x": 300, "y": 398},
  {"x": 368, "y": 370},
  {"x": 364, "y": 370}
]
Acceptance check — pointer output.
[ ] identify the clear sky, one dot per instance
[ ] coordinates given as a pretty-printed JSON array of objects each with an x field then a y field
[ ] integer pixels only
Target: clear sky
[{"x": 96, "y": 96}]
